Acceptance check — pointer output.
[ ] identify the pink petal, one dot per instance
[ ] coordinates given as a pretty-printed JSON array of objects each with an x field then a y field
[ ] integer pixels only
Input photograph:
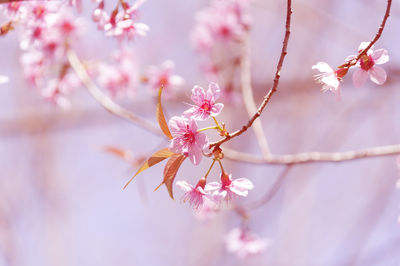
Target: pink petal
[
  {"x": 243, "y": 183},
  {"x": 213, "y": 91},
  {"x": 198, "y": 95},
  {"x": 193, "y": 125},
  {"x": 323, "y": 67},
  {"x": 195, "y": 154},
  {"x": 185, "y": 186},
  {"x": 377, "y": 75},
  {"x": 201, "y": 140},
  {"x": 212, "y": 186},
  {"x": 216, "y": 109},
  {"x": 359, "y": 78},
  {"x": 380, "y": 56}
]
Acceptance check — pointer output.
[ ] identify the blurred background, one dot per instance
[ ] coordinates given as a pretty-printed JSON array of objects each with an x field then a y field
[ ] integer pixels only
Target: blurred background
[{"x": 61, "y": 197}]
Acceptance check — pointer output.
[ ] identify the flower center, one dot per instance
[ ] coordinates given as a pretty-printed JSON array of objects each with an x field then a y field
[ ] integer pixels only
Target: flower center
[
  {"x": 366, "y": 62},
  {"x": 163, "y": 81},
  {"x": 206, "y": 106},
  {"x": 188, "y": 136}
]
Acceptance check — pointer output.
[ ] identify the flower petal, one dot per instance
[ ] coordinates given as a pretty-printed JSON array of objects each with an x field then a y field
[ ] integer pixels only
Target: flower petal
[
  {"x": 359, "y": 77},
  {"x": 322, "y": 67},
  {"x": 377, "y": 75},
  {"x": 216, "y": 109},
  {"x": 185, "y": 186},
  {"x": 380, "y": 56}
]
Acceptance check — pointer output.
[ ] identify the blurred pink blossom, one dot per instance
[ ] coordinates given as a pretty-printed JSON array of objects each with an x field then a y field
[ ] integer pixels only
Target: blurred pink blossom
[
  {"x": 158, "y": 76},
  {"x": 368, "y": 66},
  {"x": 186, "y": 139},
  {"x": 4, "y": 79},
  {"x": 119, "y": 77},
  {"x": 205, "y": 105},
  {"x": 244, "y": 243}
]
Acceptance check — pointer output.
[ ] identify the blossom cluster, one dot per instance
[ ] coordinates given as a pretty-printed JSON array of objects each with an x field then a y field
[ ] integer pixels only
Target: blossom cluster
[
  {"x": 191, "y": 142},
  {"x": 121, "y": 23},
  {"x": 48, "y": 30},
  {"x": 366, "y": 64},
  {"x": 217, "y": 36}
]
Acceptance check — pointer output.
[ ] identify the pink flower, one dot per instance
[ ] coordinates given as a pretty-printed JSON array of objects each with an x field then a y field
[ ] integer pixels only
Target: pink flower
[
  {"x": 194, "y": 195},
  {"x": 368, "y": 66},
  {"x": 223, "y": 21},
  {"x": 3, "y": 79},
  {"x": 329, "y": 78},
  {"x": 186, "y": 139},
  {"x": 244, "y": 243},
  {"x": 119, "y": 77},
  {"x": 229, "y": 188},
  {"x": 162, "y": 76},
  {"x": 205, "y": 105}
]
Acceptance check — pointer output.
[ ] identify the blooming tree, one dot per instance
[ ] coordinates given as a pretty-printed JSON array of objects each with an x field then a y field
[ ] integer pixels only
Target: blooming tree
[{"x": 50, "y": 31}]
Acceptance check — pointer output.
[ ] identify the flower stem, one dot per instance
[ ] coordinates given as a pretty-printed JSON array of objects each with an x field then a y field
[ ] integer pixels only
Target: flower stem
[
  {"x": 222, "y": 168},
  {"x": 209, "y": 169},
  {"x": 206, "y": 128}
]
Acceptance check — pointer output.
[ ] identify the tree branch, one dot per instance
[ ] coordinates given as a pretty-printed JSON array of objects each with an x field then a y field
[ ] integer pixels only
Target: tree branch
[
  {"x": 268, "y": 96},
  {"x": 248, "y": 98},
  {"x": 314, "y": 157},
  {"x": 104, "y": 100}
]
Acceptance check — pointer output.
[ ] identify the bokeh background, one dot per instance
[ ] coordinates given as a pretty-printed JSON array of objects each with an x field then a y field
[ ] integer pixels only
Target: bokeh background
[{"x": 61, "y": 197}]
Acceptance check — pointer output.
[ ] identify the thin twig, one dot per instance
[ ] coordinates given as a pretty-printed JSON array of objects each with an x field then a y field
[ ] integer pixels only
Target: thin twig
[
  {"x": 104, "y": 100},
  {"x": 274, "y": 189},
  {"x": 313, "y": 157},
  {"x": 268, "y": 96},
  {"x": 374, "y": 40},
  {"x": 248, "y": 98}
]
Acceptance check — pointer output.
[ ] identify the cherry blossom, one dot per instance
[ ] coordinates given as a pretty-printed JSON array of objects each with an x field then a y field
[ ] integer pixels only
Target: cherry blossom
[
  {"x": 329, "y": 78},
  {"x": 119, "y": 77},
  {"x": 205, "y": 105},
  {"x": 229, "y": 188},
  {"x": 4, "y": 79},
  {"x": 121, "y": 23},
  {"x": 186, "y": 139},
  {"x": 244, "y": 243},
  {"x": 368, "y": 66},
  {"x": 194, "y": 195},
  {"x": 222, "y": 21},
  {"x": 158, "y": 76}
]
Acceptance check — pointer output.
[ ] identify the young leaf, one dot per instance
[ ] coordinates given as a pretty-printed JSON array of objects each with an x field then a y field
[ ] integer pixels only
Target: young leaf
[
  {"x": 154, "y": 159},
  {"x": 161, "y": 118},
  {"x": 170, "y": 171},
  {"x": 119, "y": 152}
]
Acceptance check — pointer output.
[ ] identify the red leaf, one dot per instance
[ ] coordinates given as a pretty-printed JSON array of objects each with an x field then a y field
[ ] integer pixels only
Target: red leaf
[
  {"x": 154, "y": 159},
  {"x": 161, "y": 118},
  {"x": 170, "y": 171}
]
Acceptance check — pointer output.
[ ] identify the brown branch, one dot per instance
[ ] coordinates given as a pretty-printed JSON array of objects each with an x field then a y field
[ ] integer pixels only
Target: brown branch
[
  {"x": 268, "y": 96},
  {"x": 380, "y": 30},
  {"x": 374, "y": 40},
  {"x": 314, "y": 157},
  {"x": 104, "y": 100},
  {"x": 248, "y": 98}
]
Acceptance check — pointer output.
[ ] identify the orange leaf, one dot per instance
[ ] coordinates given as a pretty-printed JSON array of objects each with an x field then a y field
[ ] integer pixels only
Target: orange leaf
[
  {"x": 161, "y": 118},
  {"x": 170, "y": 171},
  {"x": 154, "y": 159},
  {"x": 119, "y": 152}
]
